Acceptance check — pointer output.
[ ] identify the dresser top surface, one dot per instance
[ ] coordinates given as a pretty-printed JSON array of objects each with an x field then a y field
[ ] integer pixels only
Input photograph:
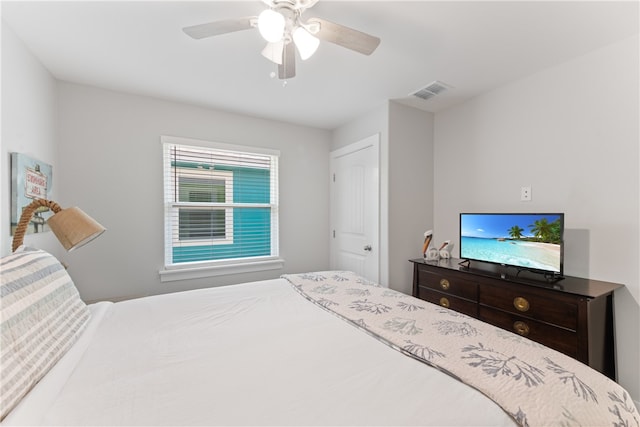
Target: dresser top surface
[{"x": 573, "y": 285}]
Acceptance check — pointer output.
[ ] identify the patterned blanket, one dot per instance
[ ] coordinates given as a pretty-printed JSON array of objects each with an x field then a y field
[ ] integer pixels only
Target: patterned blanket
[{"x": 534, "y": 384}]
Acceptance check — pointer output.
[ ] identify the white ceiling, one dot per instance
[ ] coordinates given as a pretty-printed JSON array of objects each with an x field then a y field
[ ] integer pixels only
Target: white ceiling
[{"x": 475, "y": 46}]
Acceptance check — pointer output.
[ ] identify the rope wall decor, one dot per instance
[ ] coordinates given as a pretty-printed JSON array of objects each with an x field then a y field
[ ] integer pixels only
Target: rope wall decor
[{"x": 25, "y": 218}]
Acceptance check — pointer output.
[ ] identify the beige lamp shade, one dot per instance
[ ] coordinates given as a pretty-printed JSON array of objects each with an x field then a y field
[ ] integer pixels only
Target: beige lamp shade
[{"x": 72, "y": 226}]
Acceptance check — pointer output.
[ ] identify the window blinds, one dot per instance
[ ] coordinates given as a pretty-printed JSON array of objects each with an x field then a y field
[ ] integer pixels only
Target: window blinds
[{"x": 221, "y": 203}]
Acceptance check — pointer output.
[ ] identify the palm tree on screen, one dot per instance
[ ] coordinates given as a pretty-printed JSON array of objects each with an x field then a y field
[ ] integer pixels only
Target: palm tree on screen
[
  {"x": 542, "y": 229},
  {"x": 516, "y": 232}
]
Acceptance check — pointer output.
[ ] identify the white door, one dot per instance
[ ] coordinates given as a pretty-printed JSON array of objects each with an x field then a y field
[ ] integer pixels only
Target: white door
[{"x": 355, "y": 190}]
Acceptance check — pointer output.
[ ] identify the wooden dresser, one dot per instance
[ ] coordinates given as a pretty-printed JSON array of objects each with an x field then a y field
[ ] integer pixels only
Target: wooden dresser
[{"x": 572, "y": 315}]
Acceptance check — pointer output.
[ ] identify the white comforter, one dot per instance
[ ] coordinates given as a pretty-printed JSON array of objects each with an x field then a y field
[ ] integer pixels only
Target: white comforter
[{"x": 250, "y": 354}]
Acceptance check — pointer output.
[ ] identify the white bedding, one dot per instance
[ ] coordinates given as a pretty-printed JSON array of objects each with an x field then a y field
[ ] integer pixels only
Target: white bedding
[
  {"x": 250, "y": 354},
  {"x": 30, "y": 410}
]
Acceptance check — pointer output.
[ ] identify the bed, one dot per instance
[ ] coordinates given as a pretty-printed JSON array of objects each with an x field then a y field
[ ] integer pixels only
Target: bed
[{"x": 320, "y": 348}]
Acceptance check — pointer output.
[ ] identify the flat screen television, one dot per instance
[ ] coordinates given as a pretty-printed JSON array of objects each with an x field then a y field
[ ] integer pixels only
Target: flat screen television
[{"x": 531, "y": 241}]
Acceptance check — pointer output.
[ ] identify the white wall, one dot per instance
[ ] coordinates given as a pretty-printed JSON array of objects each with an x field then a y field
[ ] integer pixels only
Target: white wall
[
  {"x": 110, "y": 165},
  {"x": 410, "y": 190},
  {"x": 29, "y": 124},
  {"x": 571, "y": 132}
]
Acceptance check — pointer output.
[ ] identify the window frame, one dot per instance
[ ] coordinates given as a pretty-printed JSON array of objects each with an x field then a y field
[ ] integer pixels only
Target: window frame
[
  {"x": 176, "y": 206},
  {"x": 201, "y": 269}
]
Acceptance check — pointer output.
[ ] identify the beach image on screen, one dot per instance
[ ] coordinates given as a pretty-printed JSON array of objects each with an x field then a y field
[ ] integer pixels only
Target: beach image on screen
[{"x": 527, "y": 241}]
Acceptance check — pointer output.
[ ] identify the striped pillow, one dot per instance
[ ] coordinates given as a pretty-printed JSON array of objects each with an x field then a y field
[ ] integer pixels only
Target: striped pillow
[{"x": 41, "y": 315}]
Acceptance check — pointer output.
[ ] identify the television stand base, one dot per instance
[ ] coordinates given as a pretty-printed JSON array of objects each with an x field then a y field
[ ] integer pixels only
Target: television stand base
[{"x": 549, "y": 278}]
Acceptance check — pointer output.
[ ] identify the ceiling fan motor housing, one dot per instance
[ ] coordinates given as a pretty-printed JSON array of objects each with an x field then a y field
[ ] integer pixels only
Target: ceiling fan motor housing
[{"x": 293, "y": 4}]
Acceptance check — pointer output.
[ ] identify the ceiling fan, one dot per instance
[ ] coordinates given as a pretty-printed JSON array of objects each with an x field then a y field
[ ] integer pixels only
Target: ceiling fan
[{"x": 281, "y": 25}]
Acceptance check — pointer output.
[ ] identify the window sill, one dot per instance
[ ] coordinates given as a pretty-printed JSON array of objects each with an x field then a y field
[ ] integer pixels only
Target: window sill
[{"x": 169, "y": 274}]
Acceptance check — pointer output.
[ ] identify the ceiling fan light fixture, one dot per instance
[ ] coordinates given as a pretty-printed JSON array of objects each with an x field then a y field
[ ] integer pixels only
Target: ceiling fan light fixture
[
  {"x": 273, "y": 52},
  {"x": 306, "y": 43},
  {"x": 271, "y": 25}
]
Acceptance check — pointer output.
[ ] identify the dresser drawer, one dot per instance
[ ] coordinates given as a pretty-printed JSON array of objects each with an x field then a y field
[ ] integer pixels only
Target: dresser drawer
[
  {"x": 519, "y": 300},
  {"x": 469, "y": 308},
  {"x": 563, "y": 340},
  {"x": 452, "y": 284}
]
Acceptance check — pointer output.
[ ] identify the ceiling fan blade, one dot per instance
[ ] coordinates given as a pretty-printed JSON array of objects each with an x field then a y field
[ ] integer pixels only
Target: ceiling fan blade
[
  {"x": 287, "y": 69},
  {"x": 345, "y": 36},
  {"x": 220, "y": 27}
]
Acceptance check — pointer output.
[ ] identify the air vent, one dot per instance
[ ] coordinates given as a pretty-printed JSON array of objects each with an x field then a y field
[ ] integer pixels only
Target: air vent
[{"x": 432, "y": 89}]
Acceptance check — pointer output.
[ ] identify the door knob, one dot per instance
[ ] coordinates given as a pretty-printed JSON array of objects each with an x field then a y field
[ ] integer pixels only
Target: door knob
[{"x": 367, "y": 248}]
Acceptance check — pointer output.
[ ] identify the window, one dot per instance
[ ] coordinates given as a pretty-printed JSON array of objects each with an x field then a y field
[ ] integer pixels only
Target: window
[
  {"x": 202, "y": 222},
  {"x": 221, "y": 209}
]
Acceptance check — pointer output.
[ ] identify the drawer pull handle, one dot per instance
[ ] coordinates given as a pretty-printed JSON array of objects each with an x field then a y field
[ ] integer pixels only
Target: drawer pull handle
[
  {"x": 444, "y": 284},
  {"x": 521, "y": 304},
  {"x": 444, "y": 302},
  {"x": 521, "y": 328}
]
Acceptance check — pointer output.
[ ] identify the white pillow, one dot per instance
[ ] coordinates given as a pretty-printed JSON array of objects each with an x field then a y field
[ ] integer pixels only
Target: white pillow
[{"x": 41, "y": 316}]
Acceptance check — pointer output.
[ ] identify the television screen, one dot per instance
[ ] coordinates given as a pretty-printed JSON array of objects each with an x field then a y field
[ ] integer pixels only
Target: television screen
[{"x": 526, "y": 241}]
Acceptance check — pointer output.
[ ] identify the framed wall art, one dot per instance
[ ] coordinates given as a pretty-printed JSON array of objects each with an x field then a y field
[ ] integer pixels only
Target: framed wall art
[{"x": 30, "y": 179}]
